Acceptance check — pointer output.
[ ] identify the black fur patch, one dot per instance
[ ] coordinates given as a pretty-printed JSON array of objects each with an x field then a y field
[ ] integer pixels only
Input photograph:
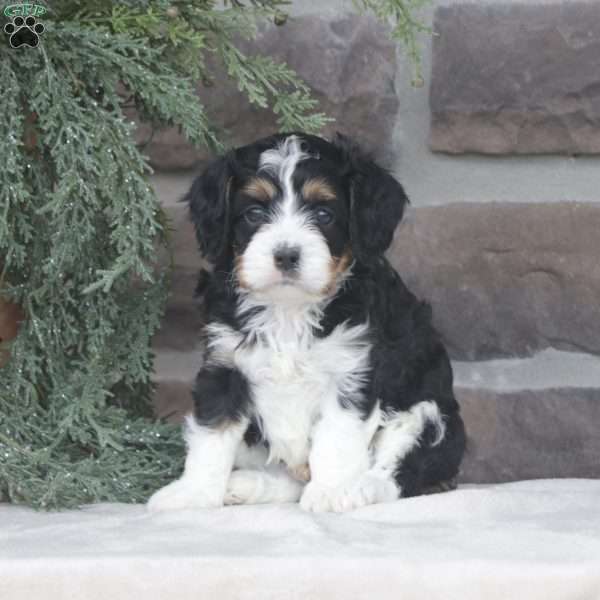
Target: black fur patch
[{"x": 221, "y": 396}]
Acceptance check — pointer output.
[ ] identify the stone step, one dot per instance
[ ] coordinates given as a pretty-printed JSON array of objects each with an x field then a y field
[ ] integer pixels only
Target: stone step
[
  {"x": 186, "y": 259},
  {"x": 525, "y": 418},
  {"x": 530, "y": 434},
  {"x": 182, "y": 322},
  {"x": 180, "y": 329},
  {"x": 172, "y": 187},
  {"x": 175, "y": 372},
  {"x": 550, "y": 369},
  {"x": 530, "y": 418}
]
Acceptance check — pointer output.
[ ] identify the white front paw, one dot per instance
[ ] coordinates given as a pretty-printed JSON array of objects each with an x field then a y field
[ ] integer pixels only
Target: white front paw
[
  {"x": 366, "y": 490},
  {"x": 183, "y": 494},
  {"x": 321, "y": 498}
]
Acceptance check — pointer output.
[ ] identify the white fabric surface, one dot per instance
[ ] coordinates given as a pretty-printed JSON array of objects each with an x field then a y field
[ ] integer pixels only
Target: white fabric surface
[{"x": 521, "y": 541}]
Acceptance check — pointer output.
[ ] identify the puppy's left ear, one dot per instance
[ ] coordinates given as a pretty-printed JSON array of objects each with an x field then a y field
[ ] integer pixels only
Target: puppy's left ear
[
  {"x": 377, "y": 203},
  {"x": 209, "y": 202}
]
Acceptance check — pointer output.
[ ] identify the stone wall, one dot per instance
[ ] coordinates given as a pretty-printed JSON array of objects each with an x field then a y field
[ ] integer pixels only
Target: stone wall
[
  {"x": 498, "y": 154},
  {"x": 531, "y": 86}
]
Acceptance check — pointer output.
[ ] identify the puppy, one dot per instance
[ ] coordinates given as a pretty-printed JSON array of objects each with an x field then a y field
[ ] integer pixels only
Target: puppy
[{"x": 324, "y": 381}]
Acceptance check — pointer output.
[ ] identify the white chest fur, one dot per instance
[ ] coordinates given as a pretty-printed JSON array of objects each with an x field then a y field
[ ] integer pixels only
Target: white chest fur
[{"x": 292, "y": 373}]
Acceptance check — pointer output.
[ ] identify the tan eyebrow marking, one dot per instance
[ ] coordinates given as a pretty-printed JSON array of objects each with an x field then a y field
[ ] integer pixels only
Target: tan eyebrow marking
[
  {"x": 260, "y": 189},
  {"x": 317, "y": 189}
]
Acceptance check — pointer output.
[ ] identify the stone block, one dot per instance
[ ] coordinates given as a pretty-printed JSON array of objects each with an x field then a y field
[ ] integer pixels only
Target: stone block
[
  {"x": 505, "y": 279},
  {"x": 516, "y": 78},
  {"x": 530, "y": 434}
]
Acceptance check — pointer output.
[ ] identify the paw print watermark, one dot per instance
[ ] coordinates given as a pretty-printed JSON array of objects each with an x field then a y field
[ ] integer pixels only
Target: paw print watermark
[{"x": 24, "y": 29}]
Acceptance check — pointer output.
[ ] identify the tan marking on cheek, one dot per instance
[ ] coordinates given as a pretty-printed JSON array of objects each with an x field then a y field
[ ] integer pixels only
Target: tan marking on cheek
[
  {"x": 317, "y": 189},
  {"x": 237, "y": 269},
  {"x": 260, "y": 189},
  {"x": 337, "y": 266}
]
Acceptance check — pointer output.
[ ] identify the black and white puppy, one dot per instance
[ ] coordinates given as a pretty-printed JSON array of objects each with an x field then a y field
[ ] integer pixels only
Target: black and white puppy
[{"x": 324, "y": 381}]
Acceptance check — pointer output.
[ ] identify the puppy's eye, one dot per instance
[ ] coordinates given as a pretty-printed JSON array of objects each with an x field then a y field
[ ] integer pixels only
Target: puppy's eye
[
  {"x": 255, "y": 215},
  {"x": 323, "y": 216}
]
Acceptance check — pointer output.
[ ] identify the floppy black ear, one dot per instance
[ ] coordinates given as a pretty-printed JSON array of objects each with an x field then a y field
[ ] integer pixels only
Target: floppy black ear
[
  {"x": 377, "y": 203},
  {"x": 209, "y": 203}
]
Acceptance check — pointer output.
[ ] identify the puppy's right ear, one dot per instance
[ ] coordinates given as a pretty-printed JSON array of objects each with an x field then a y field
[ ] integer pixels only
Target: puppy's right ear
[{"x": 209, "y": 202}]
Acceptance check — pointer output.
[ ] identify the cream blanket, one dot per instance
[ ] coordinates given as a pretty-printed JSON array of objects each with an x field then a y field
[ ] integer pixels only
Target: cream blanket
[{"x": 522, "y": 541}]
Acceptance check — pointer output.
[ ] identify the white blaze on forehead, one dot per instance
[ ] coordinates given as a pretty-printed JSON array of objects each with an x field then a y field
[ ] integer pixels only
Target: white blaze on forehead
[
  {"x": 280, "y": 162},
  {"x": 289, "y": 225}
]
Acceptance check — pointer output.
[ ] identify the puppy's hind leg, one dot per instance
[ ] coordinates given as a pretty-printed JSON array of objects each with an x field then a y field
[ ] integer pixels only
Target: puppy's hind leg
[
  {"x": 253, "y": 482},
  {"x": 273, "y": 484},
  {"x": 418, "y": 448}
]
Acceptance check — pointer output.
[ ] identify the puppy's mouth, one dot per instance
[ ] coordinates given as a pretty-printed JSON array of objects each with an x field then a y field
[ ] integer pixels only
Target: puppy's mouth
[
  {"x": 288, "y": 280},
  {"x": 286, "y": 289}
]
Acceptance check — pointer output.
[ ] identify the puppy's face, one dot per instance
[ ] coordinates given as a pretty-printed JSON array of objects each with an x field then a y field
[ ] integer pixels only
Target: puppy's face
[
  {"x": 291, "y": 224},
  {"x": 290, "y": 214}
]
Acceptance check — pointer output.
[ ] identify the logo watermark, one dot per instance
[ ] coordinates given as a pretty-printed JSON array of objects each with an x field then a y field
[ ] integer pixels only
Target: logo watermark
[{"x": 24, "y": 29}]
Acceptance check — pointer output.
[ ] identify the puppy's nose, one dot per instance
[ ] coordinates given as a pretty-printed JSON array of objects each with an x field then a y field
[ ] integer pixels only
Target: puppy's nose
[{"x": 286, "y": 258}]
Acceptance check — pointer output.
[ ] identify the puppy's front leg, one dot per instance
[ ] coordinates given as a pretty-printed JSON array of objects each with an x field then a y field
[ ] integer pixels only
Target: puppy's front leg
[
  {"x": 339, "y": 463},
  {"x": 208, "y": 464},
  {"x": 213, "y": 434}
]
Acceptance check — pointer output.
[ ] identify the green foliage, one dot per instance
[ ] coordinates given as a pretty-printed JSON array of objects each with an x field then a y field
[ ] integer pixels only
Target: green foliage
[
  {"x": 80, "y": 229},
  {"x": 401, "y": 15},
  {"x": 78, "y": 238},
  {"x": 186, "y": 32}
]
